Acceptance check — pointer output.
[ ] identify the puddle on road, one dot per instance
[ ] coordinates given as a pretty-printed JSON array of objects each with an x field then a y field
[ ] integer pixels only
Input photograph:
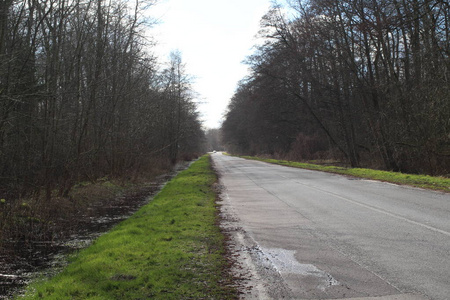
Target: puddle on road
[{"x": 286, "y": 263}]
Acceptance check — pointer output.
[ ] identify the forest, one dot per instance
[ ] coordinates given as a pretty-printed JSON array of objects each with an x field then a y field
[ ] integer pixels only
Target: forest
[
  {"x": 364, "y": 82},
  {"x": 82, "y": 97}
]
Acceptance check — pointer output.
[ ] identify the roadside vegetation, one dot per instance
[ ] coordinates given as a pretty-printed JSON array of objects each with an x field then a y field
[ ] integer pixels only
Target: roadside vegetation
[
  {"x": 86, "y": 99},
  {"x": 35, "y": 219},
  {"x": 171, "y": 248},
  {"x": 86, "y": 111},
  {"x": 34, "y": 230},
  {"x": 422, "y": 181},
  {"x": 365, "y": 82}
]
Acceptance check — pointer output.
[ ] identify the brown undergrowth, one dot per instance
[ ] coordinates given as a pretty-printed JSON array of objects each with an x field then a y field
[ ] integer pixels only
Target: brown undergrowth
[{"x": 34, "y": 230}]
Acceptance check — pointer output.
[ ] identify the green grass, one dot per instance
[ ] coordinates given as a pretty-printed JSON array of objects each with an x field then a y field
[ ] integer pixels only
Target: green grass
[
  {"x": 422, "y": 181},
  {"x": 171, "y": 248}
]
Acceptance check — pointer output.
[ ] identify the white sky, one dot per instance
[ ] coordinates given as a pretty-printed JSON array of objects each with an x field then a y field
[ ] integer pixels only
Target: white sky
[{"x": 214, "y": 37}]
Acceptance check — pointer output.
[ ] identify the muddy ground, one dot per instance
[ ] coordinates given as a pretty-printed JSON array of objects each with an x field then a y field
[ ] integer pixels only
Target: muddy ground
[{"x": 21, "y": 262}]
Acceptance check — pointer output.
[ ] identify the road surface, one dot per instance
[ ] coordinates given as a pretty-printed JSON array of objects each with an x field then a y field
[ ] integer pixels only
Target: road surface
[{"x": 312, "y": 235}]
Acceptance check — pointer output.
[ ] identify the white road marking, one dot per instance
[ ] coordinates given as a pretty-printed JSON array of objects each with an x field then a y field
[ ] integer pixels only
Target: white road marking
[{"x": 380, "y": 210}]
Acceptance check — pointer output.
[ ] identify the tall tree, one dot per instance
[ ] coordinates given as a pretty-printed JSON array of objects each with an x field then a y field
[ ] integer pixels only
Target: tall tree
[
  {"x": 81, "y": 98},
  {"x": 372, "y": 76}
]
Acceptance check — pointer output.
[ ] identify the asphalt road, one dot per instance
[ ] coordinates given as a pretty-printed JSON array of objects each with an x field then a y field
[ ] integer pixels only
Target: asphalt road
[{"x": 313, "y": 235}]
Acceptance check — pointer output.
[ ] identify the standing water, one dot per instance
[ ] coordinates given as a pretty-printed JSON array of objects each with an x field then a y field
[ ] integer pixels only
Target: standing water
[{"x": 23, "y": 261}]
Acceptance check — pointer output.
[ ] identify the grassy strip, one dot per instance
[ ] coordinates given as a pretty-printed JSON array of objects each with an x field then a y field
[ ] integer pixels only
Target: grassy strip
[
  {"x": 423, "y": 181},
  {"x": 172, "y": 248}
]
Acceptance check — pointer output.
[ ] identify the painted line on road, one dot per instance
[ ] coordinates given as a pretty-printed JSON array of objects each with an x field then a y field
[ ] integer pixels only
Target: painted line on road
[{"x": 380, "y": 210}]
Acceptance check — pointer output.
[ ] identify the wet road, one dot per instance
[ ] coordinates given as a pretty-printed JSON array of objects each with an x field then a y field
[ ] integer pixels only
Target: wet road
[{"x": 314, "y": 235}]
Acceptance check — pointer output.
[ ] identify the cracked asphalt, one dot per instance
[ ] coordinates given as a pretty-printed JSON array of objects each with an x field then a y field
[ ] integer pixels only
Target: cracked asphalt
[{"x": 304, "y": 234}]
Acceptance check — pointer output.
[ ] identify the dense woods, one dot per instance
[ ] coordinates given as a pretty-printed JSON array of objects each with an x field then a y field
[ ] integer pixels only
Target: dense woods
[
  {"x": 81, "y": 97},
  {"x": 363, "y": 81}
]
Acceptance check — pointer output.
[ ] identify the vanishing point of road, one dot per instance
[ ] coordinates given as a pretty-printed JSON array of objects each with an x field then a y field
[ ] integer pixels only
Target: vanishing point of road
[{"x": 314, "y": 235}]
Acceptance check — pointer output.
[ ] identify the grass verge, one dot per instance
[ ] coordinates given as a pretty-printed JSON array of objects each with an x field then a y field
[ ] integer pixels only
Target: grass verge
[
  {"x": 171, "y": 248},
  {"x": 422, "y": 181}
]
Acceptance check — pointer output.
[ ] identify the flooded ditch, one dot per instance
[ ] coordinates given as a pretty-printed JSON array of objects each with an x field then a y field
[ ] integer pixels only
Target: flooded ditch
[{"x": 21, "y": 262}]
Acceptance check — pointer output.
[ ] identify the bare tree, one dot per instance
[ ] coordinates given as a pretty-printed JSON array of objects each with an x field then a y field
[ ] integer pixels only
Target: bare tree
[
  {"x": 371, "y": 75},
  {"x": 81, "y": 98}
]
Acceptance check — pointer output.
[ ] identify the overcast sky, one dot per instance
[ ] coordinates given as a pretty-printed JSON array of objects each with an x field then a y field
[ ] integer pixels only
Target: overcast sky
[{"x": 214, "y": 37}]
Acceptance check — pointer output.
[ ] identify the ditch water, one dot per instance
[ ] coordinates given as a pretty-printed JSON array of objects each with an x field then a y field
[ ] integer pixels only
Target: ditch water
[{"x": 23, "y": 262}]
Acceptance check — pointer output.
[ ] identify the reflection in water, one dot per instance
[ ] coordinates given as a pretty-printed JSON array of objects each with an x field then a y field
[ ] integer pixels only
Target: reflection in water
[{"x": 25, "y": 261}]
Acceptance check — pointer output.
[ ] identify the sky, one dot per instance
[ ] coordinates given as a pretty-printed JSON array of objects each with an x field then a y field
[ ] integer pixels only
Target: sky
[{"x": 214, "y": 37}]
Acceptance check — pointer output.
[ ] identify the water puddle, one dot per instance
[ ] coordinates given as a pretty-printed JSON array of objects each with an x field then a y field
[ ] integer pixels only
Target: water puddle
[
  {"x": 21, "y": 262},
  {"x": 286, "y": 263}
]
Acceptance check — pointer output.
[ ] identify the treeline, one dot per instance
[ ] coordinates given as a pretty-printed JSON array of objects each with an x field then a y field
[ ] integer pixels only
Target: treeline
[
  {"x": 367, "y": 81},
  {"x": 81, "y": 97}
]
